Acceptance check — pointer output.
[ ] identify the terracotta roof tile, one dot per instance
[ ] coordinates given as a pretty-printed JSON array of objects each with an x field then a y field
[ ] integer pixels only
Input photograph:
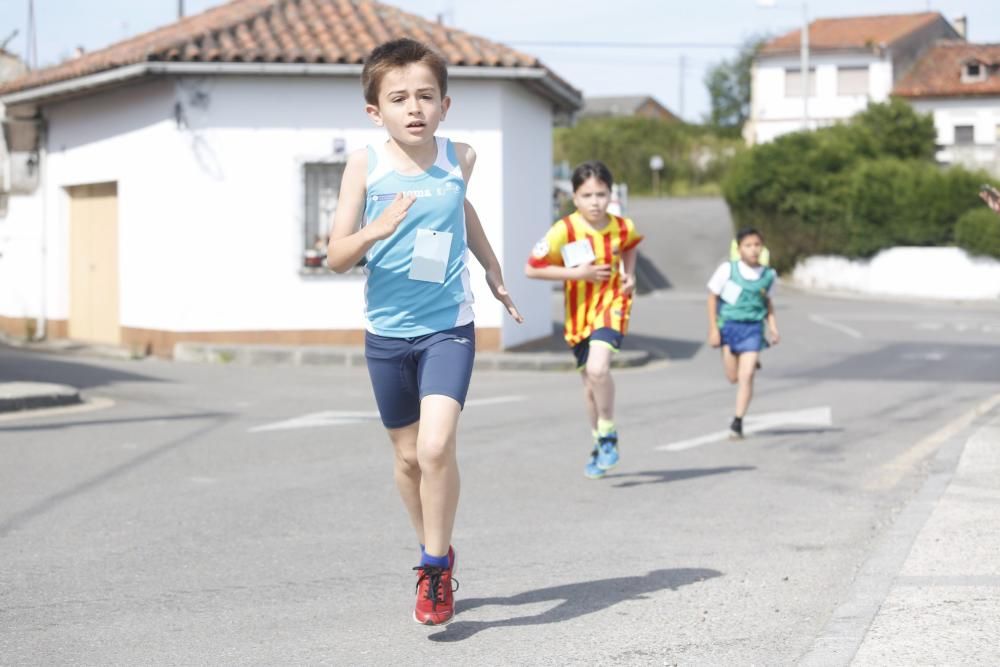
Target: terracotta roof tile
[
  {"x": 857, "y": 32},
  {"x": 282, "y": 31},
  {"x": 938, "y": 73}
]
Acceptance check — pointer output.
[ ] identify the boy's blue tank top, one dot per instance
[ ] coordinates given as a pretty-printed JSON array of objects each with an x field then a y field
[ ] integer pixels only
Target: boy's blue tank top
[{"x": 395, "y": 305}]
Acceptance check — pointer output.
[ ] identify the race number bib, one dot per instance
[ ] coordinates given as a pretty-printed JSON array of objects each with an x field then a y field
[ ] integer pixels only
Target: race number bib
[
  {"x": 577, "y": 253},
  {"x": 430, "y": 256},
  {"x": 730, "y": 292}
]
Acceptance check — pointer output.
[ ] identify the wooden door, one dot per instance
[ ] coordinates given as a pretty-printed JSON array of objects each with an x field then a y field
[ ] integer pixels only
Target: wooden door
[{"x": 93, "y": 274}]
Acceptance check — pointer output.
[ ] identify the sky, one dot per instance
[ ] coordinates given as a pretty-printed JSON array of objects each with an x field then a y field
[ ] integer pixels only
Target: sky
[{"x": 708, "y": 32}]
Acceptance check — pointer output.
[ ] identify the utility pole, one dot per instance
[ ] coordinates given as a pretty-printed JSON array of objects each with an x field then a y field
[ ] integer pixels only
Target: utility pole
[
  {"x": 180, "y": 9},
  {"x": 31, "y": 56},
  {"x": 680, "y": 87}
]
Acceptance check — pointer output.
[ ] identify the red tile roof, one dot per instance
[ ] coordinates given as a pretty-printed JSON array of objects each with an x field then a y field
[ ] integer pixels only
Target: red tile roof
[
  {"x": 857, "y": 32},
  {"x": 938, "y": 73},
  {"x": 282, "y": 31}
]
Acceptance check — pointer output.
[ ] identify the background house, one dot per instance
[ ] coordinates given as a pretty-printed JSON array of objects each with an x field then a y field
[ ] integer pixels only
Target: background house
[
  {"x": 645, "y": 106},
  {"x": 170, "y": 186},
  {"x": 852, "y": 61},
  {"x": 959, "y": 83}
]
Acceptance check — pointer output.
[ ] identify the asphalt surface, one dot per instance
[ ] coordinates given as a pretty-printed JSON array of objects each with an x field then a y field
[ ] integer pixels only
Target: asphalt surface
[{"x": 222, "y": 514}]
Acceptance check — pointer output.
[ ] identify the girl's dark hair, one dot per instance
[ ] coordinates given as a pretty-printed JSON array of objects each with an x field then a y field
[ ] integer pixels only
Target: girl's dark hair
[
  {"x": 748, "y": 231},
  {"x": 592, "y": 168}
]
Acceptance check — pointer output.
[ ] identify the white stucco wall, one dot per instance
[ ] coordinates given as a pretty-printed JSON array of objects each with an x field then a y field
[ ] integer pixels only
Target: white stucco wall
[
  {"x": 982, "y": 113},
  {"x": 210, "y": 210},
  {"x": 774, "y": 114},
  {"x": 527, "y": 194}
]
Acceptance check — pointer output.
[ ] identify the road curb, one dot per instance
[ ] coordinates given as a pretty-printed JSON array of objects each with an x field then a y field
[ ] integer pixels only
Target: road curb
[
  {"x": 16, "y": 396},
  {"x": 352, "y": 356}
]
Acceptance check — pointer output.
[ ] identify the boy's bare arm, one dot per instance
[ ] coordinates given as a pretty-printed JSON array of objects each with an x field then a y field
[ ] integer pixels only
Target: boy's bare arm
[
  {"x": 348, "y": 244},
  {"x": 478, "y": 242},
  {"x": 772, "y": 322},
  {"x": 594, "y": 273},
  {"x": 714, "y": 337},
  {"x": 629, "y": 259}
]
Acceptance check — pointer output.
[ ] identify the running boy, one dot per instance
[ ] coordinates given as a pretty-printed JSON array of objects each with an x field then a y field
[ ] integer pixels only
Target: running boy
[
  {"x": 420, "y": 341},
  {"x": 594, "y": 253},
  {"x": 739, "y": 302}
]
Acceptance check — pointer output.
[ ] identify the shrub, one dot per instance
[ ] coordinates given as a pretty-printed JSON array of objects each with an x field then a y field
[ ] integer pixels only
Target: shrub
[{"x": 978, "y": 231}]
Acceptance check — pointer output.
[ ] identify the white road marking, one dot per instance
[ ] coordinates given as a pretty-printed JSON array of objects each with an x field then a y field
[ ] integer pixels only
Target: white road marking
[
  {"x": 343, "y": 417},
  {"x": 842, "y": 328},
  {"x": 889, "y": 474},
  {"x": 822, "y": 416}
]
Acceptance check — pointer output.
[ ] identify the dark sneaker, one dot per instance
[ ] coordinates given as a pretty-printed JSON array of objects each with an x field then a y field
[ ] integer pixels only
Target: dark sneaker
[
  {"x": 435, "y": 595},
  {"x": 736, "y": 429}
]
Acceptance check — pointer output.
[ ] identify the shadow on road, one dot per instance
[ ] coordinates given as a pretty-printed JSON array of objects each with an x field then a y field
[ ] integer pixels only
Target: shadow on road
[
  {"x": 659, "y": 347},
  {"x": 113, "y": 422},
  {"x": 22, "y": 366},
  {"x": 661, "y": 476},
  {"x": 575, "y": 600}
]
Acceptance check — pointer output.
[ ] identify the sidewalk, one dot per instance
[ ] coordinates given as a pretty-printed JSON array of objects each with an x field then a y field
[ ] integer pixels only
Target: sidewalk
[
  {"x": 944, "y": 606},
  {"x": 16, "y": 396}
]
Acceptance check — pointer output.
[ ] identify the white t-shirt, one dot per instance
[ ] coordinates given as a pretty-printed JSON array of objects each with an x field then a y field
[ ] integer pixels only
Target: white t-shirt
[{"x": 721, "y": 276}]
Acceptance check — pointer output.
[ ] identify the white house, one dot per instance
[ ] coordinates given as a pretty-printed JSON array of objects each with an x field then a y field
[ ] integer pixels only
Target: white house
[
  {"x": 851, "y": 61},
  {"x": 169, "y": 187},
  {"x": 959, "y": 84}
]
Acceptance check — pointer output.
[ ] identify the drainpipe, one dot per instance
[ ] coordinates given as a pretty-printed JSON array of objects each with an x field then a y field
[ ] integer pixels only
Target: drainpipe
[{"x": 43, "y": 162}]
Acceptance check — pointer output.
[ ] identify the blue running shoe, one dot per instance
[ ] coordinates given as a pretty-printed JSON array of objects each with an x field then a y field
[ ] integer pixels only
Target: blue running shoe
[
  {"x": 592, "y": 471},
  {"x": 607, "y": 451}
]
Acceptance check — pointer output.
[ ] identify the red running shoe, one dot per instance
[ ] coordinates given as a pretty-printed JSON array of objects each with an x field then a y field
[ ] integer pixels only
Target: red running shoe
[{"x": 435, "y": 595}]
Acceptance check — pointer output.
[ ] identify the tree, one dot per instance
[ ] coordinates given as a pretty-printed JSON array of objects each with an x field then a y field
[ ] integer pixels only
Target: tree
[{"x": 728, "y": 86}]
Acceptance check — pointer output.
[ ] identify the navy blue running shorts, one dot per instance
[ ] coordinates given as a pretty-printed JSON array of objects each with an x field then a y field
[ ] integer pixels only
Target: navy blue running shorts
[
  {"x": 404, "y": 370},
  {"x": 742, "y": 337},
  {"x": 605, "y": 335}
]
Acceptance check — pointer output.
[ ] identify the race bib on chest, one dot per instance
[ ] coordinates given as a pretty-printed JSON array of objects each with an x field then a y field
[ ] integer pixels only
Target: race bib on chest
[
  {"x": 430, "y": 256},
  {"x": 730, "y": 292},
  {"x": 577, "y": 253}
]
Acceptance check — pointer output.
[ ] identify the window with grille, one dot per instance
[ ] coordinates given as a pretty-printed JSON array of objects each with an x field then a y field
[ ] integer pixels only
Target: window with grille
[
  {"x": 322, "y": 188},
  {"x": 852, "y": 81}
]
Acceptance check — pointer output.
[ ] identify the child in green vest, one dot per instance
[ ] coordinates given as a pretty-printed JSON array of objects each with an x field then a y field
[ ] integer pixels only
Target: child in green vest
[{"x": 739, "y": 303}]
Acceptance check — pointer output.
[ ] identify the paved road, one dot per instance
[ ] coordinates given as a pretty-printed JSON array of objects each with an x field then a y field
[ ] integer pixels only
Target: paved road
[
  {"x": 246, "y": 515},
  {"x": 234, "y": 515}
]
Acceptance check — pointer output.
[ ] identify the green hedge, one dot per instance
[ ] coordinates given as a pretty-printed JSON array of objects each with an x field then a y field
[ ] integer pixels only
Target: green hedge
[
  {"x": 693, "y": 155},
  {"x": 851, "y": 189},
  {"x": 978, "y": 231}
]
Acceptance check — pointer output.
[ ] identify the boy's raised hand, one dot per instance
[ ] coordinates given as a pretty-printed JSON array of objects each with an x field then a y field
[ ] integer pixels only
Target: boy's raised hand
[
  {"x": 495, "y": 281},
  {"x": 594, "y": 273},
  {"x": 385, "y": 225}
]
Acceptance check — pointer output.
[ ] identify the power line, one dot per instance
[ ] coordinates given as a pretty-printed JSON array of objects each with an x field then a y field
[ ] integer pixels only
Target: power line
[{"x": 626, "y": 45}]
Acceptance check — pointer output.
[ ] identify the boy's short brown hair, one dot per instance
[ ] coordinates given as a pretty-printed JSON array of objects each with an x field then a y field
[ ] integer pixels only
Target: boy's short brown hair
[{"x": 400, "y": 53}]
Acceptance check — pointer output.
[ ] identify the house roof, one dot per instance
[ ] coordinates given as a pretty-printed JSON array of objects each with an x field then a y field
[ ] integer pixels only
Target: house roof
[
  {"x": 317, "y": 32},
  {"x": 855, "y": 32},
  {"x": 938, "y": 73},
  {"x": 615, "y": 104}
]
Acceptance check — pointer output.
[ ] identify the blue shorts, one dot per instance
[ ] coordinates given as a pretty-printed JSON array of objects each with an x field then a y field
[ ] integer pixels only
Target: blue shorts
[
  {"x": 606, "y": 335},
  {"x": 742, "y": 337},
  {"x": 404, "y": 370}
]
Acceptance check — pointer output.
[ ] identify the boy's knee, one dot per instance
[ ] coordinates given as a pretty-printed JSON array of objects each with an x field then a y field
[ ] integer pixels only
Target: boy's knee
[
  {"x": 407, "y": 461},
  {"x": 598, "y": 372},
  {"x": 435, "y": 452}
]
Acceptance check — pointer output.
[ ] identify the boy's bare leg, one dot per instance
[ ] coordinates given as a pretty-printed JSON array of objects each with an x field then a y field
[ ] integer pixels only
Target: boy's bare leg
[
  {"x": 598, "y": 373},
  {"x": 744, "y": 392},
  {"x": 730, "y": 364},
  {"x": 589, "y": 401},
  {"x": 406, "y": 471},
  {"x": 439, "y": 480}
]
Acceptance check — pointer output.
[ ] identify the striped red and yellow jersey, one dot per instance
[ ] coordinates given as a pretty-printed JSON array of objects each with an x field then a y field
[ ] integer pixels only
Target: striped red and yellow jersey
[{"x": 590, "y": 305}]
